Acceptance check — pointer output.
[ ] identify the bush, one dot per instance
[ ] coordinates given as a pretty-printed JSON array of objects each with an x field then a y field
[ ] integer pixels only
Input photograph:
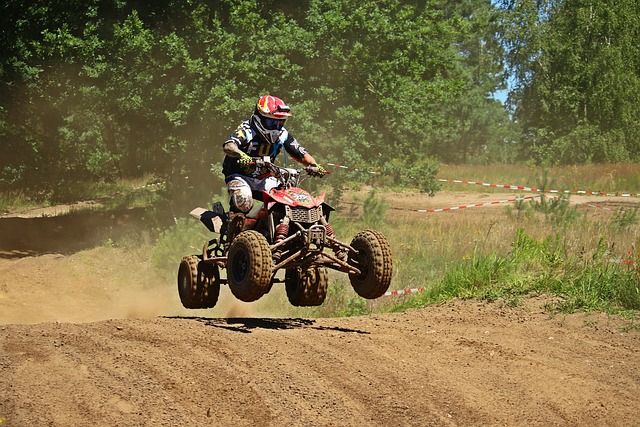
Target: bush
[
  {"x": 586, "y": 144},
  {"x": 419, "y": 174},
  {"x": 374, "y": 210},
  {"x": 176, "y": 242}
]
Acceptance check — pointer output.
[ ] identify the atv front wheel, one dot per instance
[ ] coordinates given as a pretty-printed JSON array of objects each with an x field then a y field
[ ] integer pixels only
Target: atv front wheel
[
  {"x": 375, "y": 263},
  {"x": 249, "y": 265},
  {"x": 198, "y": 283},
  {"x": 308, "y": 288}
]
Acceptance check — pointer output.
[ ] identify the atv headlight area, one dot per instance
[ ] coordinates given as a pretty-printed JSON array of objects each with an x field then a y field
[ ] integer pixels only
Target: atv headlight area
[{"x": 304, "y": 215}]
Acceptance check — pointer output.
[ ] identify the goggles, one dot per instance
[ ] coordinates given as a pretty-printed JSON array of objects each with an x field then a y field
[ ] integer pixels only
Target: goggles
[{"x": 273, "y": 124}]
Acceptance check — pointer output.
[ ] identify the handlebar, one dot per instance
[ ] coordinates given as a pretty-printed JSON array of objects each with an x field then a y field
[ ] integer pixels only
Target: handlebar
[{"x": 265, "y": 162}]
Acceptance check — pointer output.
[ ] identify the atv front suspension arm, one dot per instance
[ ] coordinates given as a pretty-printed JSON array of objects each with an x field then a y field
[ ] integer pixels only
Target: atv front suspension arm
[
  {"x": 285, "y": 241},
  {"x": 342, "y": 266},
  {"x": 286, "y": 261}
]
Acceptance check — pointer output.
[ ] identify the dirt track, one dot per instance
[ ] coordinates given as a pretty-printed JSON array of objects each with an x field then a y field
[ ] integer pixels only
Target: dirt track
[
  {"x": 461, "y": 363},
  {"x": 456, "y": 364}
]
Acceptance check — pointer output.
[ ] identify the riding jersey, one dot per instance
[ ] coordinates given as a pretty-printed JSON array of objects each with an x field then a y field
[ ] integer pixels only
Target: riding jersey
[{"x": 249, "y": 141}]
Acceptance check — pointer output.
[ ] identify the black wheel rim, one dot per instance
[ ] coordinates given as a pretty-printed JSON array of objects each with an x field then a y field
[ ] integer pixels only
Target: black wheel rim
[
  {"x": 363, "y": 265},
  {"x": 240, "y": 266}
]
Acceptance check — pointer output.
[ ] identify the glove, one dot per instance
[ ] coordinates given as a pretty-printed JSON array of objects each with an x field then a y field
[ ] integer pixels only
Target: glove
[
  {"x": 244, "y": 160},
  {"x": 319, "y": 170}
]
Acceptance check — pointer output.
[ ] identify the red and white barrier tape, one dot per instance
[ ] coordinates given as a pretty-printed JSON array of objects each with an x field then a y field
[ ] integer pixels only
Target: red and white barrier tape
[
  {"x": 404, "y": 292},
  {"x": 476, "y": 205},
  {"x": 620, "y": 261},
  {"x": 535, "y": 190},
  {"x": 512, "y": 187}
]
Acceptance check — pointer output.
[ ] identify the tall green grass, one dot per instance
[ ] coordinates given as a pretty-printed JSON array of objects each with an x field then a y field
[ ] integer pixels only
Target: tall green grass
[
  {"x": 12, "y": 201},
  {"x": 584, "y": 259},
  {"x": 545, "y": 266},
  {"x": 583, "y": 264}
]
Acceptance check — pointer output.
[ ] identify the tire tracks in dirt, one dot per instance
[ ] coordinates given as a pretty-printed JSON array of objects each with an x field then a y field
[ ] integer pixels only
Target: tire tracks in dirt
[{"x": 461, "y": 363}]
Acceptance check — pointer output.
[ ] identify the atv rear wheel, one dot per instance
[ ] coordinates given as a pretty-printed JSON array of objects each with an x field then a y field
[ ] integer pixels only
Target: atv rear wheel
[
  {"x": 249, "y": 265},
  {"x": 198, "y": 283},
  {"x": 375, "y": 263},
  {"x": 308, "y": 288}
]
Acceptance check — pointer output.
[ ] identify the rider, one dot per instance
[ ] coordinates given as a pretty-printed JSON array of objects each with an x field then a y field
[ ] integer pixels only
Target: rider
[{"x": 262, "y": 135}]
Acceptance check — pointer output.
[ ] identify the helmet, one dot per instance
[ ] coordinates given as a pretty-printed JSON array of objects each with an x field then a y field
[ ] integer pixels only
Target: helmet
[{"x": 269, "y": 117}]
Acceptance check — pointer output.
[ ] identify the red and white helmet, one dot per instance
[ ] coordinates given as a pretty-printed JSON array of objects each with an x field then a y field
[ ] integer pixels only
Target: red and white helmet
[{"x": 269, "y": 117}]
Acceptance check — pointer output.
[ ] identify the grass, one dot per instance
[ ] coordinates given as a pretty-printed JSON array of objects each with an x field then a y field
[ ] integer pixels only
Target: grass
[
  {"x": 585, "y": 258},
  {"x": 587, "y": 263},
  {"x": 546, "y": 266},
  {"x": 12, "y": 201}
]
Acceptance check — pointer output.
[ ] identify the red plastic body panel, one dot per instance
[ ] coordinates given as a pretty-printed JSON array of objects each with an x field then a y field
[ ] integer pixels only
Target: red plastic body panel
[{"x": 293, "y": 197}]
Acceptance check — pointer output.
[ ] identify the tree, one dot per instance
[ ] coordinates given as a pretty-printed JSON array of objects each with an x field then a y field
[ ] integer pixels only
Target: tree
[
  {"x": 477, "y": 125},
  {"x": 577, "y": 69},
  {"x": 103, "y": 89}
]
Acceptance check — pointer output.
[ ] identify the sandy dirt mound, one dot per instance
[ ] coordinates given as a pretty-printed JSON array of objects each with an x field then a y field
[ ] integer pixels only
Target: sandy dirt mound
[
  {"x": 462, "y": 363},
  {"x": 86, "y": 341}
]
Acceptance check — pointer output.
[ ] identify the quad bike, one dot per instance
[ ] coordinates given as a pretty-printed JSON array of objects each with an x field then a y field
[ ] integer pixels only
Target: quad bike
[{"x": 290, "y": 231}]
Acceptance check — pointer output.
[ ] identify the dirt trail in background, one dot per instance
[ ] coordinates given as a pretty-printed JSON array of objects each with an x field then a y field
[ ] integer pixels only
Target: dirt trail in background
[{"x": 134, "y": 357}]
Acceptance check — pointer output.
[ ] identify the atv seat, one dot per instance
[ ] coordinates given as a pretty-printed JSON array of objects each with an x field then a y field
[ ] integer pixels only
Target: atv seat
[{"x": 255, "y": 210}]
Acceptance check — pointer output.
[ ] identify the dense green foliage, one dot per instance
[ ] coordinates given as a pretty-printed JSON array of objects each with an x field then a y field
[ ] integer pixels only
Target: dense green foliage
[
  {"x": 576, "y": 68},
  {"x": 106, "y": 89},
  {"x": 101, "y": 90}
]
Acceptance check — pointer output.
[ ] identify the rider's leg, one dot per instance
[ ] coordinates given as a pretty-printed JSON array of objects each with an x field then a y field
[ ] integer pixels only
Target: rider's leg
[
  {"x": 240, "y": 202},
  {"x": 241, "y": 190}
]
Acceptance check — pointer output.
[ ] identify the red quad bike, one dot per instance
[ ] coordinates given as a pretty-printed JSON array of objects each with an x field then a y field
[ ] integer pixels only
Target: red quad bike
[{"x": 290, "y": 231}]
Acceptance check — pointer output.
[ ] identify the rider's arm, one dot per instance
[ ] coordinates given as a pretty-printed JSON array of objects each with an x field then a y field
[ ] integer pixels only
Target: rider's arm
[
  {"x": 231, "y": 149},
  {"x": 308, "y": 160},
  {"x": 234, "y": 145},
  {"x": 298, "y": 152}
]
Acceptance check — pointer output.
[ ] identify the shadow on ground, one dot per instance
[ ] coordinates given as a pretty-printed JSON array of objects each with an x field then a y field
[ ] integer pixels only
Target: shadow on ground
[{"x": 247, "y": 324}]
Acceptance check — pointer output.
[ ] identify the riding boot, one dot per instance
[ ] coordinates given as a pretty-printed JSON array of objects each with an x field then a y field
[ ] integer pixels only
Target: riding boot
[{"x": 235, "y": 225}]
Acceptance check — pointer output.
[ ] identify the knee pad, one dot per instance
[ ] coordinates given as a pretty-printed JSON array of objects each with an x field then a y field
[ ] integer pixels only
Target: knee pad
[{"x": 240, "y": 197}]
